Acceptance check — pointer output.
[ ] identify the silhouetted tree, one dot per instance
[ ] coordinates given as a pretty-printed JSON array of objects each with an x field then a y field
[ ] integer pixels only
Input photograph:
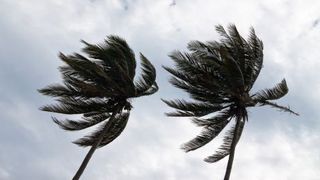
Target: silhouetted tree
[
  {"x": 100, "y": 87},
  {"x": 219, "y": 77}
]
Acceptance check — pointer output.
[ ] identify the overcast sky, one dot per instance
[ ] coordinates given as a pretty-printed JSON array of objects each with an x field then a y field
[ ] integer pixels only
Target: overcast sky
[{"x": 274, "y": 145}]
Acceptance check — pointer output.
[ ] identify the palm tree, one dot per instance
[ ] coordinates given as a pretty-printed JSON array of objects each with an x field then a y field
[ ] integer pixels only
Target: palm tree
[
  {"x": 219, "y": 75},
  {"x": 100, "y": 88}
]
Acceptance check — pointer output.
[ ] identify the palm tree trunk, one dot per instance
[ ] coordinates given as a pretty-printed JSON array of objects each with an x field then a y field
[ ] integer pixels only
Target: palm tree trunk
[
  {"x": 233, "y": 147},
  {"x": 94, "y": 147}
]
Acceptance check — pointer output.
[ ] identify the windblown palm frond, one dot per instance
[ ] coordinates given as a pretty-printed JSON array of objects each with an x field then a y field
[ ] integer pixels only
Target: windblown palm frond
[
  {"x": 197, "y": 109},
  {"x": 275, "y": 93},
  {"x": 115, "y": 127},
  {"x": 279, "y": 107},
  {"x": 208, "y": 133},
  {"x": 86, "y": 122},
  {"x": 99, "y": 87},
  {"x": 225, "y": 149},
  {"x": 146, "y": 85},
  {"x": 219, "y": 75}
]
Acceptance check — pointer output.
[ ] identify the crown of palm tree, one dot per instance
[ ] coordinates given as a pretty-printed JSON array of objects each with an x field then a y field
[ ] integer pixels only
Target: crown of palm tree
[
  {"x": 219, "y": 75},
  {"x": 99, "y": 87}
]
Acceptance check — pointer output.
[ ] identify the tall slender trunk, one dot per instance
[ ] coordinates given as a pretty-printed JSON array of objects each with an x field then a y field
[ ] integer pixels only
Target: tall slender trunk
[
  {"x": 233, "y": 147},
  {"x": 94, "y": 147}
]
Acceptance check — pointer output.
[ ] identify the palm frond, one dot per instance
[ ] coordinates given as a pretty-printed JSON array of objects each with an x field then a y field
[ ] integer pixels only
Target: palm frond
[
  {"x": 205, "y": 80},
  {"x": 209, "y": 132},
  {"x": 90, "y": 71},
  {"x": 233, "y": 52},
  {"x": 254, "y": 63},
  {"x": 207, "y": 55},
  {"x": 181, "y": 114},
  {"x": 115, "y": 127},
  {"x": 153, "y": 89},
  {"x": 113, "y": 65},
  {"x": 84, "y": 67},
  {"x": 223, "y": 33},
  {"x": 64, "y": 109},
  {"x": 209, "y": 73},
  {"x": 69, "y": 105},
  {"x": 215, "y": 96},
  {"x": 281, "y": 108},
  {"x": 57, "y": 90},
  {"x": 221, "y": 116},
  {"x": 121, "y": 48},
  {"x": 202, "y": 50},
  {"x": 75, "y": 89},
  {"x": 114, "y": 51},
  {"x": 88, "y": 103},
  {"x": 232, "y": 70},
  {"x": 190, "y": 64},
  {"x": 148, "y": 77},
  {"x": 225, "y": 148},
  {"x": 277, "y": 92},
  {"x": 202, "y": 86},
  {"x": 86, "y": 122},
  {"x": 88, "y": 89},
  {"x": 239, "y": 48},
  {"x": 192, "y": 107}
]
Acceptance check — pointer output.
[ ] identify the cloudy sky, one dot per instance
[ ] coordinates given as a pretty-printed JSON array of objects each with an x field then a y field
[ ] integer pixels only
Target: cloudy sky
[{"x": 274, "y": 145}]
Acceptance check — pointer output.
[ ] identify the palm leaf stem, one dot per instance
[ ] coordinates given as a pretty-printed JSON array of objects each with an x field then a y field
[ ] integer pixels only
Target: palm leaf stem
[
  {"x": 95, "y": 146},
  {"x": 283, "y": 108}
]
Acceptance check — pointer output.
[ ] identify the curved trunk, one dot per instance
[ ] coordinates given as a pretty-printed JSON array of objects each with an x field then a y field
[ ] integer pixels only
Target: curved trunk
[
  {"x": 233, "y": 147},
  {"x": 94, "y": 147}
]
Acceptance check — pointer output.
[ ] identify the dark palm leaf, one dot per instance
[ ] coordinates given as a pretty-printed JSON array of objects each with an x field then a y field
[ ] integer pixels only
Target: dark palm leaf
[
  {"x": 275, "y": 105},
  {"x": 115, "y": 128},
  {"x": 275, "y": 93},
  {"x": 212, "y": 128},
  {"x": 57, "y": 90},
  {"x": 154, "y": 88},
  {"x": 113, "y": 51},
  {"x": 225, "y": 148},
  {"x": 195, "y": 108},
  {"x": 69, "y": 105},
  {"x": 86, "y": 122},
  {"x": 65, "y": 109},
  {"x": 146, "y": 84},
  {"x": 222, "y": 116},
  {"x": 254, "y": 63}
]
